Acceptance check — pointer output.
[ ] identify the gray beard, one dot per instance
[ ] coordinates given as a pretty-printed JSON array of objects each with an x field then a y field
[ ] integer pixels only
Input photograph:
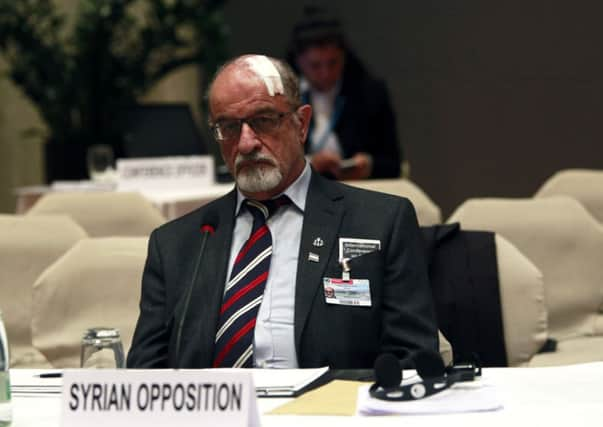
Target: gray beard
[{"x": 260, "y": 179}]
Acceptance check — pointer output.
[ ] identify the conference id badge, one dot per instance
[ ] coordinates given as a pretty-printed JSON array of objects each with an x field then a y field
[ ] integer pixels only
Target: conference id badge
[{"x": 347, "y": 292}]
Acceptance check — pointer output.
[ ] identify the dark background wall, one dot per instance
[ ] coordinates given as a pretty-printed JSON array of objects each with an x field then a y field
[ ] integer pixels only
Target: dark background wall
[{"x": 491, "y": 97}]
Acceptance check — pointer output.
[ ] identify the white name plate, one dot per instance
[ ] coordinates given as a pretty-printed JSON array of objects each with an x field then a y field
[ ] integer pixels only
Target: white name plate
[
  {"x": 116, "y": 398},
  {"x": 166, "y": 173}
]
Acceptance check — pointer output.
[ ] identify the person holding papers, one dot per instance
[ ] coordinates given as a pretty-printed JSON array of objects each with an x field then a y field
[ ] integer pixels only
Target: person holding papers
[
  {"x": 353, "y": 129},
  {"x": 241, "y": 281}
]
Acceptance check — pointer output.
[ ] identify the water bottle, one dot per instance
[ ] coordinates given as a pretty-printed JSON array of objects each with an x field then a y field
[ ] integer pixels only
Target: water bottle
[{"x": 6, "y": 415}]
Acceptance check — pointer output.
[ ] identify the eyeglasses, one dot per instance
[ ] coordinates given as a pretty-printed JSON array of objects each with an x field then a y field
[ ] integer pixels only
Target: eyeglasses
[{"x": 262, "y": 124}]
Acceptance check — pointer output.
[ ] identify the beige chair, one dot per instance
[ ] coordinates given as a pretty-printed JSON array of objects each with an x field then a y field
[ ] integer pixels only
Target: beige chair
[
  {"x": 96, "y": 283},
  {"x": 523, "y": 307},
  {"x": 489, "y": 304},
  {"x": 584, "y": 185},
  {"x": 27, "y": 247},
  {"x": 103, "y": 214},
  {"x": 428, "y": 213},
  {"x": 566, "y": 243},
  {"x": 445, "y": 349}
]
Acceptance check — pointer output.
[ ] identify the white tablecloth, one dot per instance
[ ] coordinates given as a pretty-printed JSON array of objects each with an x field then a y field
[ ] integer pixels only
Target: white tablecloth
[
  {"x": 172, "y": 204},
  {"x": 549, "y": 397}
]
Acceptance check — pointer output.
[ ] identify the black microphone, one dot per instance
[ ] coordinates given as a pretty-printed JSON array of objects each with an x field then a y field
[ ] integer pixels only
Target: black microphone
[
  {"x": 388, "y": 371},
  {"x": 429, "y": 364},
  {"x": 430, "y": 368},
  {"x": 206, "y": 230}
]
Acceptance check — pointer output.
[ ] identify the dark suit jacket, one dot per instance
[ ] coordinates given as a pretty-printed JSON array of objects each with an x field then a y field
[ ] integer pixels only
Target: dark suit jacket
[
  {"x": 401, "y": 318},
  {"x": 367, "y": 122},
  {"x": 464, "y": 278}
]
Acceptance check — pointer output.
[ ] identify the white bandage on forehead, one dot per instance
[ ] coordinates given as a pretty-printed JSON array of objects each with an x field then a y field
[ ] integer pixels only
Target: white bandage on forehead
[{"x": 265, "y": 69}]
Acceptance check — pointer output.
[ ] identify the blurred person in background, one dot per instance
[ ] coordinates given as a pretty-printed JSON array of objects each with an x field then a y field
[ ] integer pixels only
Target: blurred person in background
[{"x": 353, "y": 131}]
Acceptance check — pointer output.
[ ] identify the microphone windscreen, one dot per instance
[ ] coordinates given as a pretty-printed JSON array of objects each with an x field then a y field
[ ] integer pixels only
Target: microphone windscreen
[
  {"x": 388, "y": 372},
  {"x": 210, "y": 222},
  {"x": 207, "y": 228},
  {"x": 429, "y": 364}
]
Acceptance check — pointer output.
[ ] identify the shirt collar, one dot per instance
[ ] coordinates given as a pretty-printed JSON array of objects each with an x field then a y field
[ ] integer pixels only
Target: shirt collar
[
  {"x": 297, "y": 191},
  {"x": 305, "y": 87}
]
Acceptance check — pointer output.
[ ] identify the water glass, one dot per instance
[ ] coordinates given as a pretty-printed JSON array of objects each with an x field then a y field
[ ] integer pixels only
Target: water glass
[
  {"x": 102, "y": 348},
  {"x": 5, "y": 391}
]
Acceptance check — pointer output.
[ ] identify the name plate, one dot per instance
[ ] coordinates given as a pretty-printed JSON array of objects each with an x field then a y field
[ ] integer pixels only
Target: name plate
[
  {"x": 119, "y": 397},
  {"x": 166, "y": 173}
]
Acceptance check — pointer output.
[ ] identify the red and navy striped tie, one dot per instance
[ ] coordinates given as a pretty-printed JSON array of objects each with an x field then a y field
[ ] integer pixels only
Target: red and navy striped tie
[{"x": 244, "y": 290}]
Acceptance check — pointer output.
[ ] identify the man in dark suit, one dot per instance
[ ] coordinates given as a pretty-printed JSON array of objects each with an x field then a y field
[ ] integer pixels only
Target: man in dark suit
[
  {"x": 325, "y": 234},
  {"x": 353, "y": 131}
]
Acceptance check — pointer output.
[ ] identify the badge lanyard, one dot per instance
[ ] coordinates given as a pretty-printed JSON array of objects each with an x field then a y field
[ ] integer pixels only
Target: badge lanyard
[
  {"x": 345, "y": 267},
  {"x": 335, "y": 116}
]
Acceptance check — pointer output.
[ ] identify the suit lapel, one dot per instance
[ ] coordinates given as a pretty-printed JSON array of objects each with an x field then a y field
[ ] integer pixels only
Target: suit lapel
[
  {"x": 322, "y": 218},
  {"x": 211, "y": 279}
]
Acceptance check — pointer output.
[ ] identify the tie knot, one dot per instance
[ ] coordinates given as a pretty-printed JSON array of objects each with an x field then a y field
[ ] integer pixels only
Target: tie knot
[{"x": 266, "y": 208}]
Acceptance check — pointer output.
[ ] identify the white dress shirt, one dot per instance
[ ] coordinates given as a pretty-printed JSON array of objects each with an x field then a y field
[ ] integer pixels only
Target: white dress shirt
[
  {"x": 274, "y": 342},
  {"x": 322, "y": 136}
]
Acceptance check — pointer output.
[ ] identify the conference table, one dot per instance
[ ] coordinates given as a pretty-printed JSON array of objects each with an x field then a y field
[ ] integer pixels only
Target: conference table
[
  {"x": 172, "y": 203},
  {"x": 549, "y": 396}
]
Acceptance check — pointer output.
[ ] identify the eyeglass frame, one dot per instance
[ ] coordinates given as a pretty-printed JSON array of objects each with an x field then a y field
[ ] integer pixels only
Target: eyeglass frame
[{"x": 280, "y": 115}]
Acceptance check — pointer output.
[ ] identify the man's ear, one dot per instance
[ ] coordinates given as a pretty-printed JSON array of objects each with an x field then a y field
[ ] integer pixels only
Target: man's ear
[{"x": 304, "y": 113}]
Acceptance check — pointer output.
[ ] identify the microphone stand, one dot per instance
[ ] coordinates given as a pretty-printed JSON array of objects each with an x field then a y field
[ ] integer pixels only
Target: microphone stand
[{"x": 206, "y": 230}]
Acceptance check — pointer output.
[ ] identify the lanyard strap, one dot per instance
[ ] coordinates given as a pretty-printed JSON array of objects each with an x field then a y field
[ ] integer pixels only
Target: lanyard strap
[{"x": 335, "y": 116}]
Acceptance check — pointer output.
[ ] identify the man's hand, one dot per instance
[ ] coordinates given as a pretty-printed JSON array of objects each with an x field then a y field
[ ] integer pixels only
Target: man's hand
[
  {"x": 326, "y": 162},
  {"x": 362, "y": 169}
]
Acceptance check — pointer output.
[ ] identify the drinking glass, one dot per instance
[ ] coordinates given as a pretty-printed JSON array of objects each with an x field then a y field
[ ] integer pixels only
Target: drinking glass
[
  {"x": 5, "y": 393},
  {"x": 102, "y": 348},
  {"x": 100, "y": 161}
]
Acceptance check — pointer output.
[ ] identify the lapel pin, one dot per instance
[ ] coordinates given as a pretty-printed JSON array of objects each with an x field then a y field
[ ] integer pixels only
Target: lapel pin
[
  {"x": 318, "y": 242},
  {"x": 313, "y": 257}
]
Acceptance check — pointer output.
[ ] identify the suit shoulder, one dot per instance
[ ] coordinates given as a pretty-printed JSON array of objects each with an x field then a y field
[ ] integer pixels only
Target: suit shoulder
[
  {"x": 206, "y": 214},
  {"x": 370, "y": 198}
]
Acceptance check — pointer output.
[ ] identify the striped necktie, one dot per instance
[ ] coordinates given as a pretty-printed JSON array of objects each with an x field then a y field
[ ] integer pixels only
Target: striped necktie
[{"x": 244, "y": 290}]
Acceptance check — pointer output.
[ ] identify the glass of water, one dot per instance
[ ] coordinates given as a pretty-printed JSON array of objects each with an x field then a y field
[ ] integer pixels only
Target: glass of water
[
  {"x": 102, "y": 348},
  {"x": 5, "y": 403}
]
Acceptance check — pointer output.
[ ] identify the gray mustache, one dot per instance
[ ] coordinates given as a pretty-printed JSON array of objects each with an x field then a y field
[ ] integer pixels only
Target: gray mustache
[{"x": 253, "y": 157}]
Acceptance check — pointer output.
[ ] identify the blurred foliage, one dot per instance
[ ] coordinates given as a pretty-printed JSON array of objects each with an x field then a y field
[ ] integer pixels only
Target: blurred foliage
[{"x": 81, "y": 76}]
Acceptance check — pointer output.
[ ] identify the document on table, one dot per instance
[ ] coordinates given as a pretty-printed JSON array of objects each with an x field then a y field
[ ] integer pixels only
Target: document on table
[
  {"x": 286, "y": 382},
  {"x": 268, "y": 382},
  {"x": 29, "y": 382},
  {"x": 475, "y": 396}
]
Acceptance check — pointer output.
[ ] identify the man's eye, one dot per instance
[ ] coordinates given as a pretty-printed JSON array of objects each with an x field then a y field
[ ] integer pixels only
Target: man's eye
[
  {"x": 229, "y": 127},
  {"x": 263, "y": 122}
]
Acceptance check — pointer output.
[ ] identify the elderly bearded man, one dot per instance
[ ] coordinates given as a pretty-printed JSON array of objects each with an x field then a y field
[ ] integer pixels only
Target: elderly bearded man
[{"x": 281, "y": 237}]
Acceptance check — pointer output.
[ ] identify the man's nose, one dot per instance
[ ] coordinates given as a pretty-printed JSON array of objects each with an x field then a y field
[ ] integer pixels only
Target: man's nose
[
  {"x": 324, "y": 72},
  {"x": 248, "y": 140}
]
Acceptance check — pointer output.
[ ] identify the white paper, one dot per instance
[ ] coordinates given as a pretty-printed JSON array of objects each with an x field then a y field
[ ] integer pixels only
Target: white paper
[
  {"x": 284, "y": 382},
  {"x": 28, "y": 382},
  {"x": 268, "y": 382},
  {"x": 475, "y": 396}
]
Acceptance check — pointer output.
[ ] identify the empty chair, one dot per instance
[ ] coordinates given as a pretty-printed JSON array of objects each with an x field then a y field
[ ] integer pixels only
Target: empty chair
[
  {"x": 428, "y": 213},
  {"x": 27, "y": 247},
  {"x": 103, "y": 213},
  {"x": 584, "y": 185},
  {"x": 565, "y": 242},
  {"x": 445, "y": 349},
  {"x": 489, "y": 297},
  {"x": 96, "y": 283},
  {"x": 525, "y": 317}
]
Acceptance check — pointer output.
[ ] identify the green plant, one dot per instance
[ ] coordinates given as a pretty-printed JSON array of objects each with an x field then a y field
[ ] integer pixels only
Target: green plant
[{"x": 80, "y": 76}]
